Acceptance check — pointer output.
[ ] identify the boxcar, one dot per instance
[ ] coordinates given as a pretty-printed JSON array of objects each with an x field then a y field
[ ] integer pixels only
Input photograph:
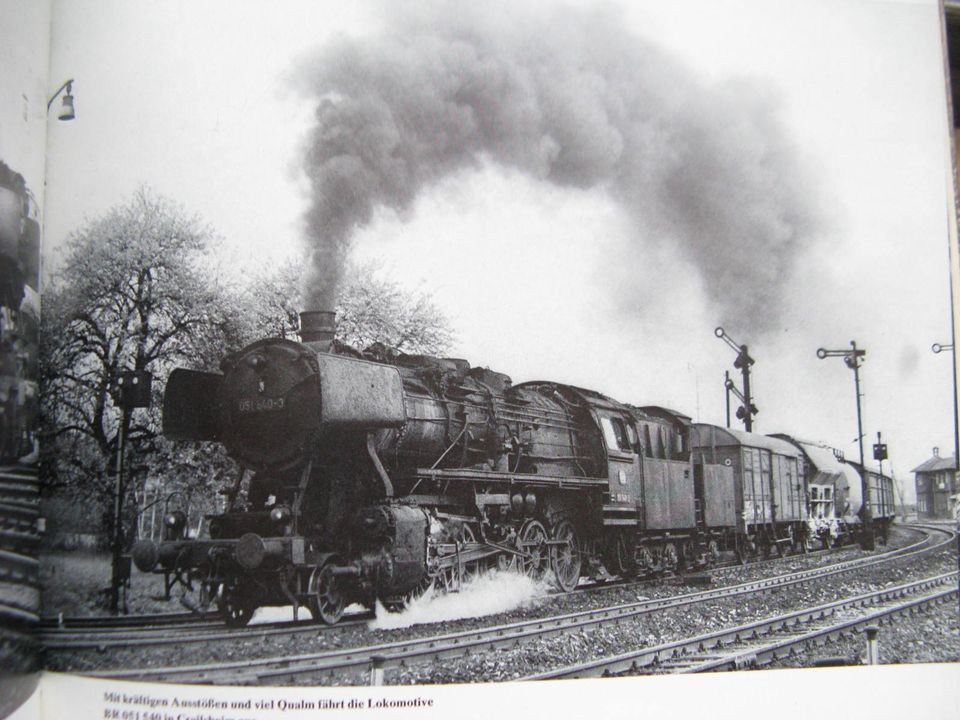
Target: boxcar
[{"x": 761, "y": 503}]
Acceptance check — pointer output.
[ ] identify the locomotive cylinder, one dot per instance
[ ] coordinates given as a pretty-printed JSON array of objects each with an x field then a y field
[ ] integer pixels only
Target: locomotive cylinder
[{"x": 394, "y": 540}]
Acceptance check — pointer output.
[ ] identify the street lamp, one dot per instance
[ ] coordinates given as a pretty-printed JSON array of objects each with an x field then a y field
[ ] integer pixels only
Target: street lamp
[
  {"x": 853, "y": 359},
  {"x": 66, "y": 109},
  {"x": 743, "y": 362}
]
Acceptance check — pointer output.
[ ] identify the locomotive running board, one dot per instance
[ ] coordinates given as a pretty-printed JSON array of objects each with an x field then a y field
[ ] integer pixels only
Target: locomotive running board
[{"x": 459, "y": 475}]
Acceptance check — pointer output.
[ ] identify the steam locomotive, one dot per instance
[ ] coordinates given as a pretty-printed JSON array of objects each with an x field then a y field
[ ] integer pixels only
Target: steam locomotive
[{"x": 370, "y": 477}]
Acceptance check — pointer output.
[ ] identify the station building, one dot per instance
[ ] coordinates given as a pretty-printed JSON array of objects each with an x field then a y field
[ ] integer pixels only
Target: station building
[{"x": 937, "y": 487}]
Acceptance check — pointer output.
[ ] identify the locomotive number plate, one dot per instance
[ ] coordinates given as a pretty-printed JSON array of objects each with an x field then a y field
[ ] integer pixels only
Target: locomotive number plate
[{"x": 259, "y": 404}]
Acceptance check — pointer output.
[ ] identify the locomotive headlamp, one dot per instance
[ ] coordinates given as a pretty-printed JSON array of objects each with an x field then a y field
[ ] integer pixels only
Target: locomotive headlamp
[
  {"x": 174, "y": 524},
  {"x": 175, "y": 520},
  {"x": 281, "y": 514}
]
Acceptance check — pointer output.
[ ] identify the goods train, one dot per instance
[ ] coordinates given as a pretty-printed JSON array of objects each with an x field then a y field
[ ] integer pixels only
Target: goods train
[{"x": 370, "y": 477}]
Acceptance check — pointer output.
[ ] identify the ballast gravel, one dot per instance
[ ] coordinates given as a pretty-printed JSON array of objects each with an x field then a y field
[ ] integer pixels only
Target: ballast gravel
[{"x": 540, "y": 655}]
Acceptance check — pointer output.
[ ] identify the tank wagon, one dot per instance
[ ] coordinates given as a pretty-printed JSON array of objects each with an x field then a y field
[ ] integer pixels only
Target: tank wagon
[
  {"x": 366, "y": 477},
  {"x": 835, "y": 495}
]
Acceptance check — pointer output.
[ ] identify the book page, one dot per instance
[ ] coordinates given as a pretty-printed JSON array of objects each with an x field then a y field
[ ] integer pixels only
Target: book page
[
  {"x": 24, "y": 88},
  {"x": 375, "y": 326}
]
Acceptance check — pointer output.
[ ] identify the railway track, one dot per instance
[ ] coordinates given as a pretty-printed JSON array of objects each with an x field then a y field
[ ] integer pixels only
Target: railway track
[
  {"x": 765, "y": 641},
  {"x": 312, "y": 667},
  {"x": 19, "y": 484},
  {"x": 199, "y": 632},
  {"x": 100, "y": 633},
  {"x": 19, "y": 542},
  {"x": 120, "y": 623},
  {"x": 19, "y": 510},
  {"x": 19, "y": 588}
]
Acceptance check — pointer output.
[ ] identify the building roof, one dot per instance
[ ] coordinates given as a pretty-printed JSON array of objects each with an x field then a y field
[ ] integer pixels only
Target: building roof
[{"x": 935, "y": 464}]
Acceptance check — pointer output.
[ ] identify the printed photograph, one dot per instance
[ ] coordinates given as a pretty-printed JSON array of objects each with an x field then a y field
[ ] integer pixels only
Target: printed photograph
[{"x": 437, "y": 342}]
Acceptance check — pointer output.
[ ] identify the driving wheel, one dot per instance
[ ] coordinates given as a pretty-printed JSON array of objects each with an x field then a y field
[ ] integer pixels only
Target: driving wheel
[
  {"x": 326, "y": 601},
  {"x": 565, "y": 558},
  {"x": 532, "y": 543}
]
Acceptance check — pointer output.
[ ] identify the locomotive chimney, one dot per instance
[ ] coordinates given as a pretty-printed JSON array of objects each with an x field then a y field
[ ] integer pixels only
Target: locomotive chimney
[{"x": 317, "y": 328}]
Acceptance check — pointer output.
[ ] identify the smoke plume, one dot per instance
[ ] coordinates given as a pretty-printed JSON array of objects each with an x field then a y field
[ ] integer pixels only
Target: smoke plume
[{"x": 572, "y": 98}]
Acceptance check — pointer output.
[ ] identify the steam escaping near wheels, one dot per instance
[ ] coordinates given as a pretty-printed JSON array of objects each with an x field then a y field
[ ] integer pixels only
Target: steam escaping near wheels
[{"x": 488, "y": 593}]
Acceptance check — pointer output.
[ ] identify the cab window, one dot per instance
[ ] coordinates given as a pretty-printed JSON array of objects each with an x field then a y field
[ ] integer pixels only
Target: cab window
[{"x": 615, "y": 434}]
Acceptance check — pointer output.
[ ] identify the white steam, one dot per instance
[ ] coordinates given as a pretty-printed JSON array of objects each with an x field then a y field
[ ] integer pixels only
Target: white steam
[{"x": 487, "y": 594}]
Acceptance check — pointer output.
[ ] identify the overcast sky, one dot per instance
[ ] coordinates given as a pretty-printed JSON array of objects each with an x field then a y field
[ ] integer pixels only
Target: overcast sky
[{"x": 650, "y": 171}]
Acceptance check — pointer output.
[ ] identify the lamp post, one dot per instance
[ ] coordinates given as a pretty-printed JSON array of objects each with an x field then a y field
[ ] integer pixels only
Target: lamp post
[
  {"x": 939, "y": 348},
  {"x": 67, "y": 111},
  {"x": 743, "y": 362},
  {"x": 853, "y": 358}
]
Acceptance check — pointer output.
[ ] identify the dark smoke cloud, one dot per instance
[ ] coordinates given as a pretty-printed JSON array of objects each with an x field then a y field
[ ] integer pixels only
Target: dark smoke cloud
[{"x": 571, "y": 98}]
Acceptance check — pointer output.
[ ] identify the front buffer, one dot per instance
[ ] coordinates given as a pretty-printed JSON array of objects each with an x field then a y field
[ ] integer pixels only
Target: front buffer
[{"x": 387, "y": 561}]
